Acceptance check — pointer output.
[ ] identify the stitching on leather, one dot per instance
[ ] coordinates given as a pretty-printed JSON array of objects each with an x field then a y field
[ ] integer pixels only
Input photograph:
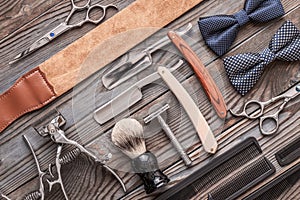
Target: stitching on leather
[
  {"x": 19, "y": 82},
  {"x": 48, "y": 86}
]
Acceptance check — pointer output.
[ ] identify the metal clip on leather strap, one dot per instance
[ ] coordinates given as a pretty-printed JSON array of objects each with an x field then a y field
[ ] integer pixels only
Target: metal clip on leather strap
[{"x": 30, "y": 92}]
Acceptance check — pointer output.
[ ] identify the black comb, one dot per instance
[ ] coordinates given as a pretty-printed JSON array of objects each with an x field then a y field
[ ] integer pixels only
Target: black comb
[
  {"x": 289, "y": 153},
  {"x": 274, "y": 189},
  {"x": 244, "y": 179},
  {"x": 219, "y": 168}
]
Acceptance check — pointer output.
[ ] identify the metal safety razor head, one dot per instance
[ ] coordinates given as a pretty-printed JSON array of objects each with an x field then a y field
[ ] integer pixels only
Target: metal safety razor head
[{"x": 157, "y": 114}]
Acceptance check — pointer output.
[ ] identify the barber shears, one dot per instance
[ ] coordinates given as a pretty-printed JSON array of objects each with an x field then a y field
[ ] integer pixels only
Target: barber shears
[
  {"x": 290, "y": 94},
  {"x": 66, "y": 25}
]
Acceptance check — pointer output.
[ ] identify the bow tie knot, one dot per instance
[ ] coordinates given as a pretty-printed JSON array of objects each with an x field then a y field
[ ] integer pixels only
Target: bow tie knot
[
  {"x": 242, "y": 17},
  {"x": 267, "y": 56},
  {"x": 244, "y": 70},
  {"x": 220, "y": 31}
]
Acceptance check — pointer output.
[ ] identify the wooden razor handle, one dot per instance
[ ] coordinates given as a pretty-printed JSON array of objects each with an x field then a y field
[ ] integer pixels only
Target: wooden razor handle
[{"x": 211, "y": 89}]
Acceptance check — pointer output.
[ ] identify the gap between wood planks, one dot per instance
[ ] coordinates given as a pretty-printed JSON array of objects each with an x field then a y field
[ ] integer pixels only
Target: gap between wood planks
[
  {"x": 189, "y": 76},
  {"x": 223, "y": 142}
]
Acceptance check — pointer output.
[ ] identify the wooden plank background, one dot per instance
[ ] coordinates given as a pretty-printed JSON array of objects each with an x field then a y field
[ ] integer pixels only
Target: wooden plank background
[{"x": 22, "y": 22}]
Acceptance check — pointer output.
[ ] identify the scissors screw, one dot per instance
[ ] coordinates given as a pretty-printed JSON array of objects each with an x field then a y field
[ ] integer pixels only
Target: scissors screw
[
  {"x": 52, "y": 34},
  {"x": 298, "y": 88}
]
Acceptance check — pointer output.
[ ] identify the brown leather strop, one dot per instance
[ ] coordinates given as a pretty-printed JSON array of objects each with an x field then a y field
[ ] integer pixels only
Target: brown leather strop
[
  {"x": 60, "y": 73},
  {"x": 30, "y": 92}
]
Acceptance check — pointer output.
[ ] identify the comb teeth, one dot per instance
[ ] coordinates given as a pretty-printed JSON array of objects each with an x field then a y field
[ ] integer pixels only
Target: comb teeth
[
  {"x": 275, "y": 192},
  {"x": 289, "y": 153},
  {"x": 225, "y": 169},
  {"x": 245, "y": 178},
  {"x": 278, "y": 187},
  {"x": 238, "y": 161}
]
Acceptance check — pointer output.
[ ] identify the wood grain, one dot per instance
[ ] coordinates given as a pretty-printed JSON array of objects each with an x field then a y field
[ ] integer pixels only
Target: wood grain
[
  {"x": 87, "y": 180},
  {"x": 14, "y": 14},
  {"x": 208, "y": 84},
  {"x": 63, "y": 68}
]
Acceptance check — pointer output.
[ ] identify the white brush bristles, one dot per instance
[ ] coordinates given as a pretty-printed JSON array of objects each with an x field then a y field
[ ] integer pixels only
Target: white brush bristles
[{"x": 128, "y": 135}]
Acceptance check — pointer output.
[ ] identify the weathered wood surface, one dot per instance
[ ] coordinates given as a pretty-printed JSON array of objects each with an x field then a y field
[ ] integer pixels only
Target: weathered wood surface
[{"x": 83, "y": 178}]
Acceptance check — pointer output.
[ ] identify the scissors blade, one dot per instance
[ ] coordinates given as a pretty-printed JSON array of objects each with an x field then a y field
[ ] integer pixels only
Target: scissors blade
[
  {"x": 48, "y": 37},
  {"x": 293, "y": 91},
  {"x": 36, "y": 45}
]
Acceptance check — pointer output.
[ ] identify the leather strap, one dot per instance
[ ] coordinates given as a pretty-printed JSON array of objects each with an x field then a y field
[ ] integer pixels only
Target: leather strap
[
  {"x": 30, "y": 92},
  {"x": 63, "y": 71}
]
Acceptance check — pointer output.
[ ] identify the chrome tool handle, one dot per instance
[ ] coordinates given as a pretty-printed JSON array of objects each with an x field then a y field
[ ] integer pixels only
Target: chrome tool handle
[
  {"x": 98, "y": 7},
  {"x": 174, "y": 141},
  {"x": 40, "y": 172},
  {"x": 274, "y": 117}
]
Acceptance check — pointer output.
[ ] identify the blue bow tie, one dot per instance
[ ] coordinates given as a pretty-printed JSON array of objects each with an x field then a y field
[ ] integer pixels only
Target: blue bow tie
[
  {"x": 220, "y": 31},
  {"x": 244, "y": 70}
]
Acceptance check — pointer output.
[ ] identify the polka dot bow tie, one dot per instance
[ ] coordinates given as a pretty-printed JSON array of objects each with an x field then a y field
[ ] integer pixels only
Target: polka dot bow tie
[
  {"x": 244, "y": 70},
  {"x": 220, "y": 31}
]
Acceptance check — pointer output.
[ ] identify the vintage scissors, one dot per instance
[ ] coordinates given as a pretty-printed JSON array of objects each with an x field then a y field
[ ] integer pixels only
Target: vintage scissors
[
  {"x": 65, "y": 26},
  {"x": 286, "y": 97}
]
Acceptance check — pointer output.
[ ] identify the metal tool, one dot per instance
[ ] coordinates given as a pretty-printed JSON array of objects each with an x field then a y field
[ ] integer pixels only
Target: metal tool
[
  {"x": 126, "y": 99},
  {"x": 134, "y": 65},
  {"x": 211, "y": 89},
  {"x": 33, "y": 196},
  {"x": 157, "y": 115},
  {"x": 53, "y": 129},
  {"x": 59, "y": 161},
  {"x": 5, "y": 197},
  {"x": 58, "y": 168},
  {"x": 65, "y": 26},
  {"x": 290, "y": 94},
  {"x": 41, "y": 192},
  {"x": 207, "y": 138}
]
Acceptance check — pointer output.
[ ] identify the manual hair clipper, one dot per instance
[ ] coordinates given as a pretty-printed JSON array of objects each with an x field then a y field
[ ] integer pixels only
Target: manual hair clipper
[{"x": 57, "y": 135}]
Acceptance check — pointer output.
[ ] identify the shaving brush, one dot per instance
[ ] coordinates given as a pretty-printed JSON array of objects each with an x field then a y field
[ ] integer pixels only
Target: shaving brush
[{"x": 128, "y": 136}]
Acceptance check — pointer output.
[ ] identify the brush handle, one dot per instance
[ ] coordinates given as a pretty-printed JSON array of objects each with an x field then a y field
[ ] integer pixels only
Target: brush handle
[
  {"x": 209, "y": 85},
  {"x": 146, "y": 166}
]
